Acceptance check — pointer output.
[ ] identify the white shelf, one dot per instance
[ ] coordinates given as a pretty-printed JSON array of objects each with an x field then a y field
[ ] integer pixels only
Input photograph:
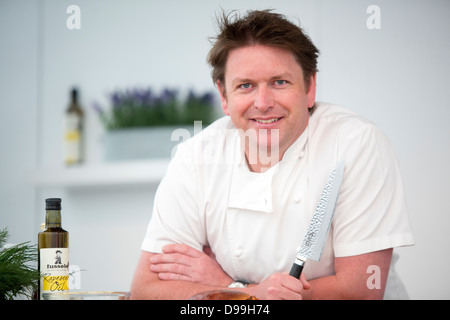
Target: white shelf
[{"x": 102, "y": 174}]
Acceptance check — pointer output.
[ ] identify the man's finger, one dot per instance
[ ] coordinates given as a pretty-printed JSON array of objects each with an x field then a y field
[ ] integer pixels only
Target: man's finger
[
  {"x": 306, "y": 284},
  {"x": 181, "y": 248},
  {"x": 173, "y": 268},
  {"x": 173, "y": 276},
  {"x": 165, "y": 258},
  {"x": 293, "y": 284}
]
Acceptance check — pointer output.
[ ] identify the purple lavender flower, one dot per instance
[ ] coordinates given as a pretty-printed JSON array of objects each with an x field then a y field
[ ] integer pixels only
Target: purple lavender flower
[
  {"x": 167, "y": 96},
  {"x": 139, "y": 107},
  {"x": 208, "y": 98},
  {"x": 115, "y": 99},
  {"x": 97, "y": 107}
]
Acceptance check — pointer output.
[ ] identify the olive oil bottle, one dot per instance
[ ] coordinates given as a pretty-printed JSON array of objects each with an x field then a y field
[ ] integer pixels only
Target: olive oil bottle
[
  {"x": 53, "y": 251},
  {"x": 73, "y": 127}
]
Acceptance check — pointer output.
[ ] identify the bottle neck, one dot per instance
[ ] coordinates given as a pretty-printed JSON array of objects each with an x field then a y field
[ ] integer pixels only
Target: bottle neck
[
  {"x": 53, "y": 219},
  {"x": 74, "y": 96}
]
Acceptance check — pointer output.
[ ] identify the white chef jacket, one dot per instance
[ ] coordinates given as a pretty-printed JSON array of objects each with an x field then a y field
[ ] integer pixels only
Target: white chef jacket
[{"x": 255, "y": 222}]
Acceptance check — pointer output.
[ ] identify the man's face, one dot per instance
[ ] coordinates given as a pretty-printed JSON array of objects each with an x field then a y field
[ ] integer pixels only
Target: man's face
[{"x": 264, "y": 89}]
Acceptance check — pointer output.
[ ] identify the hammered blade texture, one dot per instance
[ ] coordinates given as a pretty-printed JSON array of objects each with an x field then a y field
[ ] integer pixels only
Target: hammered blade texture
[{"x": 315, "y": 230}]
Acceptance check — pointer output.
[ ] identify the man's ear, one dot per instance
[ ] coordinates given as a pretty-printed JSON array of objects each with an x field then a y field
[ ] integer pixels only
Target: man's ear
[
  {"x": 311, "y": 93},
  {"x": 223, "y": 98}
]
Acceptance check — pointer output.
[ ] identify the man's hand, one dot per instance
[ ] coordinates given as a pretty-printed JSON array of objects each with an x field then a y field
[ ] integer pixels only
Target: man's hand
[
  {"x": 181, "y": 262},
  {"x": 280, "y": 286}
]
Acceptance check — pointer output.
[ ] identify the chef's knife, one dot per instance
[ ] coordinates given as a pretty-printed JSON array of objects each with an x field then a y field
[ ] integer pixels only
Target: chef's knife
[{"x": 317, "y": 233}]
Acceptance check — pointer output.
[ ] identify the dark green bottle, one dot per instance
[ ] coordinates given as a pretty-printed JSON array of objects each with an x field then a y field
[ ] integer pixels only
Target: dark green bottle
[{"x": 53, "y": 251}]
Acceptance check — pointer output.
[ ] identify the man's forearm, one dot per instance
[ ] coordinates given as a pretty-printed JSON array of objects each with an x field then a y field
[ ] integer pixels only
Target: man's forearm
[
  {"x": 331, "y": 288},
  {"x": 349, "y": 282},
  {"x": 351, "y": 278},
  {"x": 147, "y": 285},
  {"x": 169, "y": 290}
]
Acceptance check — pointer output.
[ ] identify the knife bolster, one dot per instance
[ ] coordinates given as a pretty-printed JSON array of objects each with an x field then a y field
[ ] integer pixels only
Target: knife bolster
[{"x": 296, "y": 269}]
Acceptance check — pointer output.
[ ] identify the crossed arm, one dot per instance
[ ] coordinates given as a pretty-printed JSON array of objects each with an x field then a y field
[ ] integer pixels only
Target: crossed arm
[{"x": 181, "y": 272}]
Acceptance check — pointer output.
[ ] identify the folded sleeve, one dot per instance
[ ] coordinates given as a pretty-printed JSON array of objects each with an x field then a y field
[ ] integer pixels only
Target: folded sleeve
[{"x": 371, "y": 212}]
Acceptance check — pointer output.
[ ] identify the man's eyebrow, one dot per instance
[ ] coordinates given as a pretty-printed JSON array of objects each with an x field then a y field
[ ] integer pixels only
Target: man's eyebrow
[
  {"x": 240, "y": 80},
  {"x": 281, "y": 76}
]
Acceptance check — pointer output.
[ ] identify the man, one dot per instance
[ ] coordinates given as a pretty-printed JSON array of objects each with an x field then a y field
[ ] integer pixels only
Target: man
[
  {"x": 58, "y": 257},
  {"x": 237, "y": 198}
]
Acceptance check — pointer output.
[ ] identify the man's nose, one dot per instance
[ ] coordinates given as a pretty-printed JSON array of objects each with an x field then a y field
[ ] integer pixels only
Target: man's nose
[{"x": 263, "y": 99}]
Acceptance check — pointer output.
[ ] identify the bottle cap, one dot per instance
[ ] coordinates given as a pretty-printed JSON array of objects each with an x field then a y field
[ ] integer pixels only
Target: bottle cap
[{"x": 53, "y": 204}]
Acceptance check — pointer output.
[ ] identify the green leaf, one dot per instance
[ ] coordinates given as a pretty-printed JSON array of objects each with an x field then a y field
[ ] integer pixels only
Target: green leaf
[{"x": 17, "y": 276}]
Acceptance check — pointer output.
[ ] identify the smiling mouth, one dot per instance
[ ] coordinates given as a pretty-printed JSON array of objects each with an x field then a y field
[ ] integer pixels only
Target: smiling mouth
[{"x": 266, "y": 120}]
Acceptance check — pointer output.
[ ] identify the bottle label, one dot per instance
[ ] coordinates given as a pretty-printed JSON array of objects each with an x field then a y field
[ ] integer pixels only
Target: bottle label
[
  {"x": 72, "y": 138},
  {"x": 54, "y": 264}
]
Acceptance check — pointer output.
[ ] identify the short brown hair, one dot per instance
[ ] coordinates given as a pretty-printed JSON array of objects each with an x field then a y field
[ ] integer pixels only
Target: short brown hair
[{"x": 261, "y": 27}]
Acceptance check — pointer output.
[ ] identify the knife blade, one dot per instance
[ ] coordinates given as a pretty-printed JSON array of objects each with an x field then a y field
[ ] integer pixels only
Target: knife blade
[{"x": 316, "y": 235}]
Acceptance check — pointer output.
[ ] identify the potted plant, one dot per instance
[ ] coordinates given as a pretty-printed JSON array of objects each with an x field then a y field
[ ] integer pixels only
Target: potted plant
[
  {"x": 17, "y": 276},
  {"x": 140, "y": 122}
]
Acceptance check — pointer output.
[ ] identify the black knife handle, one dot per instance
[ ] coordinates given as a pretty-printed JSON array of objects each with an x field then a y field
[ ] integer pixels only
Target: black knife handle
[{"x": 296, "y": 270}]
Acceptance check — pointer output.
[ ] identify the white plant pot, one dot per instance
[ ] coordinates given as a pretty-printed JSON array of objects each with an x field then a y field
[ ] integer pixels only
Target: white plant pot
[{"x": 144, "y": 143}]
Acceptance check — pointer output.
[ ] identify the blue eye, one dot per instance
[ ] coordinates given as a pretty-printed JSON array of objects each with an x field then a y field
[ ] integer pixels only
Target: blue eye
[
  {"x": 280, "y": 82},
  {"x": 245, "y": 86}
]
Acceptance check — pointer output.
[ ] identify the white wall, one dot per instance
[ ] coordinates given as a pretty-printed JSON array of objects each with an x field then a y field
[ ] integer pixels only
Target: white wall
[
  {"x": 396, "y": 76},
  {"x": 18, "y": 116}
]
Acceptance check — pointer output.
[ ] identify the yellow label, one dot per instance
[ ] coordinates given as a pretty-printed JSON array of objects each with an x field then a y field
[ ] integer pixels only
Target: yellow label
[
  {"x": 72, "y": 138},
  {"x": 55, "y": 283},
  {"x": 54, "y": 267},
  {"x": 72, "y": 135}
]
